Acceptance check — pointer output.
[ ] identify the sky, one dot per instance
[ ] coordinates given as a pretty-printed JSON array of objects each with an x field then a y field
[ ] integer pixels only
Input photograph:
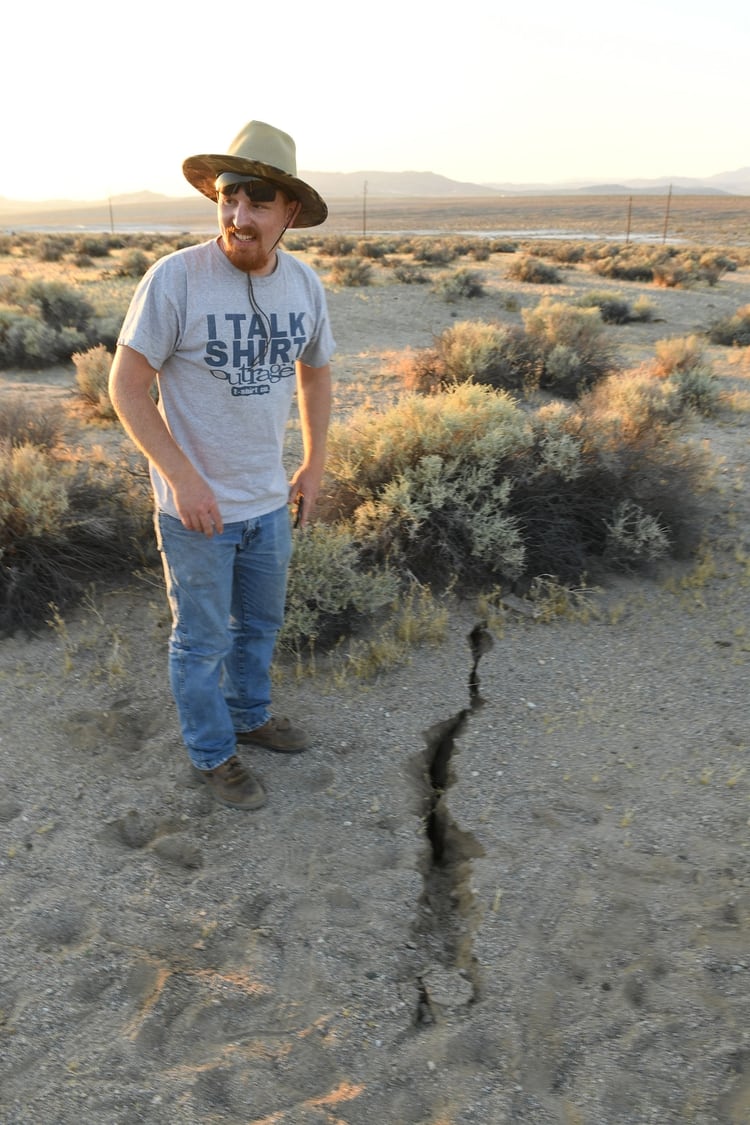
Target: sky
[{"x": 103, "y": 100}]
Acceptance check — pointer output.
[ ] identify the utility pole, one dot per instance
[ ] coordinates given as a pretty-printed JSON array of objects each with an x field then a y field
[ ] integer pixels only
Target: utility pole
[
  {"x": 364, "y": 210},
  {"x": 630, "y": 212},
  {"x": 666, "y": 216}
]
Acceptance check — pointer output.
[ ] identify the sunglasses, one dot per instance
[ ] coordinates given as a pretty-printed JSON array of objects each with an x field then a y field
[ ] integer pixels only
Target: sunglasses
[{"x": 260, "y": 191}]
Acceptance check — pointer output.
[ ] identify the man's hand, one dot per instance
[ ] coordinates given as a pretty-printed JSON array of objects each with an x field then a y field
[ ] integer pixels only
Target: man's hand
[
  {"x": 303, "y": 492},
  {"x": 196, "y": 506}
]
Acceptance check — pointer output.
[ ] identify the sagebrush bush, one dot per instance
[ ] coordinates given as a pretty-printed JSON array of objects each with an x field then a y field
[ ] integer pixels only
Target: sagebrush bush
[
  {"x": 92, "y": 245},
  {"x": 629, "y": 403},
  {"x": 631, "y": 421},
  {"x": 329, "y": 589},
  {"x": 626, "y": 263},
  {"x": 92, "y": 379},
  {"x": 679, "y": 353},
  {"x": 533, "y": 270},
  {"x": 52, "y": 249},
  {"x": 51, "y": 320},
  {"x": 666, "y": 266},
  {"x": 572, "y": 344},
  {"x": 698, "y": 389},
  {"x": 351, "y": 272},
  {"x": 479, "y": 251},
  {"x": 425, "y": 484},
  {"x": 33, "y": 493},
  {"x": 61, "y": 306},
  {"x": 408, "y": 273},
  {"x": 63, "y": 525},
  {"x": 613, "y": 307},
  {"x": 467, "y": 487},
  {"x": 133, "y": 263},
  {"x": 29, "y": 343},
  {"x": 562, "y": 348},
  {"x": 369, "y": 248},
  {"x": 372, "y": 448},
  {"x": 732, "y": 330},
  {"x": 422, "y": 371},
  {"x": 436, "y": 251},
  {"x": 25, "y": 423},
  {"x": 642, "y": 309},
  {"x": 470, "y": 350},
  {"x": 500, "y": 356},
  {"x": 634, "y": 536},
  {"x": 337, "y": 246},
  {"x": 458, "y": 285}
]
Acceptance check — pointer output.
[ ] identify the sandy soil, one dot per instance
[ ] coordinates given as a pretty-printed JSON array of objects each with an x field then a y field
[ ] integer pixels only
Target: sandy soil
[{"x": 508, "y": 884}]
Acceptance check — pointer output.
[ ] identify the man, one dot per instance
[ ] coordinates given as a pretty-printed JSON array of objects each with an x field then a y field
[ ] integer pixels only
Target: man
[{"x": 230, "y": 329}]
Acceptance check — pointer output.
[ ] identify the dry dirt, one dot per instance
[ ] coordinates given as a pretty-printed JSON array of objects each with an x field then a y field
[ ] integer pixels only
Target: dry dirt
[{"x": 508, "y": 884}]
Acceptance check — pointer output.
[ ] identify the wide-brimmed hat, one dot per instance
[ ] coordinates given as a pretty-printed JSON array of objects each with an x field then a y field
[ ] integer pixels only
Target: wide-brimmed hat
[{"x": 259, "y": 150}]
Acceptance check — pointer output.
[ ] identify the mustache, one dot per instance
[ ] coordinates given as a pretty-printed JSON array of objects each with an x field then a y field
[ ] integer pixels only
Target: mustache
[{"x": 242, "y": 230}]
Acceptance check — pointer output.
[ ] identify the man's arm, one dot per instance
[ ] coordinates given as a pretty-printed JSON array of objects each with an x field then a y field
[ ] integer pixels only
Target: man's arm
[
  {"x": 314, "y": 391},
  {"x": 130, "y": 381}
]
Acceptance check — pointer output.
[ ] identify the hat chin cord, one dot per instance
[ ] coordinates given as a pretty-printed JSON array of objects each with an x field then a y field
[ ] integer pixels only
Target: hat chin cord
[{"x": 262, "y": 316}]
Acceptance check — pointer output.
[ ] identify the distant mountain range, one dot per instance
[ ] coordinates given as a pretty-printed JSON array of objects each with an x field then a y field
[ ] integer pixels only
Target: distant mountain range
[
  {"x": 348, "y": 185},
  {"x": 333, "y": 185}
]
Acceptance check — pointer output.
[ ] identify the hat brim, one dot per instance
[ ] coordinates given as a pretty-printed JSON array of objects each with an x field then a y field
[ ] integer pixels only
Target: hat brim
[{"x": 201, "y": 172}]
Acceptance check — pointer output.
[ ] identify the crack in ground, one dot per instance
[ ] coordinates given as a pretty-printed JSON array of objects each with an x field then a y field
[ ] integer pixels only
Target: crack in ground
[{"x": 448, "y": 913}]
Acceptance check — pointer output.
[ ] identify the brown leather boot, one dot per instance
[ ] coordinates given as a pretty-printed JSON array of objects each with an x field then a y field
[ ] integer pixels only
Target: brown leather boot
[{"x": 233, "y": 785}]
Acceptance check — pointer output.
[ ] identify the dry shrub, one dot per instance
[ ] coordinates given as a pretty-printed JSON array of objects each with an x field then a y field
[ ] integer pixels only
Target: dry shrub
[
  {"x": 682, "y": 361},
  {"x": 64, "y": 524},
  {"x": 458, "y": 285},
  {"x": 330, "y": 589},
  {"x": 422, "y": 371},
  {"x": 574, "y": 349},
  {"x": 467, "y": 487},
  {"x": 92, "y": 377},
  {"x": 350, "y": 272},
  {"x": 631, "y": 424},
  {"x": 533, "y": 270},
  {"x": 734, "y": 330},
  {"x": 613, "y": 307},
  {"x": 499, "y": 356},
  {"x": 33, "y": 493},
  {"x": 24, "y": 423},
  {"x": 423, "y": 484},
  {"x": 408, "y": 273},
  {"x": 629, "y": 403}
]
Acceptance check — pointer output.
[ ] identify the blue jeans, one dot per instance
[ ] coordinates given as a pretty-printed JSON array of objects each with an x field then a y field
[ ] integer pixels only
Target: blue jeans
[{"x": 227, "y": 597}]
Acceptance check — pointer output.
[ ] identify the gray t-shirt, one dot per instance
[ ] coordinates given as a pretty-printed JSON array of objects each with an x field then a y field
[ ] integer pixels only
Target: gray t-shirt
[{"x": 225, "y": 348}]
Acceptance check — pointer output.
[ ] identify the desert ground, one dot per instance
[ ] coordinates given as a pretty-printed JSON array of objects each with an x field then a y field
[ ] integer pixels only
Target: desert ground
[{"x": 508, "y": 883}]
